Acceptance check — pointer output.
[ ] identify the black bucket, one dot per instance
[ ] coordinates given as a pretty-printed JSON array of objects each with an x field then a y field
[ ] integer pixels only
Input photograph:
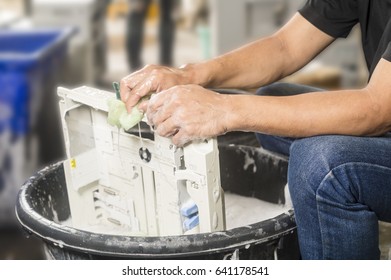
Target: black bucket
[{"x": 43, "y": 204}]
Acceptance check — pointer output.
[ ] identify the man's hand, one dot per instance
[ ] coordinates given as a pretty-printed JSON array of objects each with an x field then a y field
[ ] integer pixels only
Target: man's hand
[
  {"x": 188, "y": 112},
  {"x": 152, "y": 78}
]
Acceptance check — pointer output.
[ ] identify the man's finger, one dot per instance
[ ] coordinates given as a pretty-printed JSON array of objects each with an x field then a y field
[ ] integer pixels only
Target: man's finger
[
  {"x": 158, "y": 100},
  {"x": 124, "y": 90},
  {"x": 142, "y": 89},
  {"x": 167, "y": 128},
  {"x": 180, "y": 138}
]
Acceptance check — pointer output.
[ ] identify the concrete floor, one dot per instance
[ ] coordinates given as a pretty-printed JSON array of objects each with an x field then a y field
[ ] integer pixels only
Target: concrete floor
[{"x": 385, "y": 240}]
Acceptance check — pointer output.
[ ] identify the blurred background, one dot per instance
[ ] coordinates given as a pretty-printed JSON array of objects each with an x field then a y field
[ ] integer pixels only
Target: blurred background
[{"x": 49, "y": 43}]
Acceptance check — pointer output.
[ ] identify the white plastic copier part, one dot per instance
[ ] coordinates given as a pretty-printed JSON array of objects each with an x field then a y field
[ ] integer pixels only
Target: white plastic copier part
[{"x": 121, "y": 183}]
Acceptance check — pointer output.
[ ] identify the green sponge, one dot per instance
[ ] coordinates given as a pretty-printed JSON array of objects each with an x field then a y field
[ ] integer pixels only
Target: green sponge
[{"x": 118, "y": 115}]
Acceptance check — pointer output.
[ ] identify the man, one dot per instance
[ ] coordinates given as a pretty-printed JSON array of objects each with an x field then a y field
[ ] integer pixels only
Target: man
[{"x": 340, "y": 165}]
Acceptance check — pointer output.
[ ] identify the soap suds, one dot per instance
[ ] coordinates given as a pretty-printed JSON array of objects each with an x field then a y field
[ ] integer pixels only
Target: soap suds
[{"x": 249, "y": 161}]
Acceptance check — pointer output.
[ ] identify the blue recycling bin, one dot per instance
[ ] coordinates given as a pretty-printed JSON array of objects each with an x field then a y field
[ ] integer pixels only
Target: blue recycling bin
[
  {"x": 32, "y": 62},
  {"x": 29, "y": 61}
]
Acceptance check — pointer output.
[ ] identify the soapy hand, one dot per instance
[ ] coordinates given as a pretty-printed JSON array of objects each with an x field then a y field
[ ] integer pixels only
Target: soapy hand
[
  {"x": 152, "y": 78},
  {"x": 188, "y": 112}
]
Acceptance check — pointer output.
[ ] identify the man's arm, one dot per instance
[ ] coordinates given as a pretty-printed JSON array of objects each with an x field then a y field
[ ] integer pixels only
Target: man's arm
[
  {"x": 251, "y": 66},
  {"x": 191, "y": 112},
  {"x": 266, "y": 60},
  {"x": 361, "y": 112}
]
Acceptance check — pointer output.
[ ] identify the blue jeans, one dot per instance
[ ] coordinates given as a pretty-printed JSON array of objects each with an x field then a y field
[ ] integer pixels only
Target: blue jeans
[{"x": 340, "y": 188}]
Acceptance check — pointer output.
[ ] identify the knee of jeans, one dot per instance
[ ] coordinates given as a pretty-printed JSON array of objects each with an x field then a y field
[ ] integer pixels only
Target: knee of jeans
[{"x": 310, "y": 160}]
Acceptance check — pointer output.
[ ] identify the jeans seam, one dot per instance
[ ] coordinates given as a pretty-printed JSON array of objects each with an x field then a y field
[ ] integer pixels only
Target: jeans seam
[{"x": 317, "y": 197}]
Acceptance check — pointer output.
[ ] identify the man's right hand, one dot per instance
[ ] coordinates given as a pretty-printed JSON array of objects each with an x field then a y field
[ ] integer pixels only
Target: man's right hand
[{"x": 152, "y": 78}]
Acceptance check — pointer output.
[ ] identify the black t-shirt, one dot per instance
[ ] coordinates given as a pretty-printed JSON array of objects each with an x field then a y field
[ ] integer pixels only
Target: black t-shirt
[{"x": 337, "y": 18}]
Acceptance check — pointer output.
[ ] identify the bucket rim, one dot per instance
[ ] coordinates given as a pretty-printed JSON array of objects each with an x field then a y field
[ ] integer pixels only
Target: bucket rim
[{"x": 144, "y": 246}]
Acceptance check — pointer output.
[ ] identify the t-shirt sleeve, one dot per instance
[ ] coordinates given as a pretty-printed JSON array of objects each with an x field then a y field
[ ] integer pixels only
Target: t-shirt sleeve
[
  {"x": 334, "y": 17},
  {"x": 387, "y": 53}
]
